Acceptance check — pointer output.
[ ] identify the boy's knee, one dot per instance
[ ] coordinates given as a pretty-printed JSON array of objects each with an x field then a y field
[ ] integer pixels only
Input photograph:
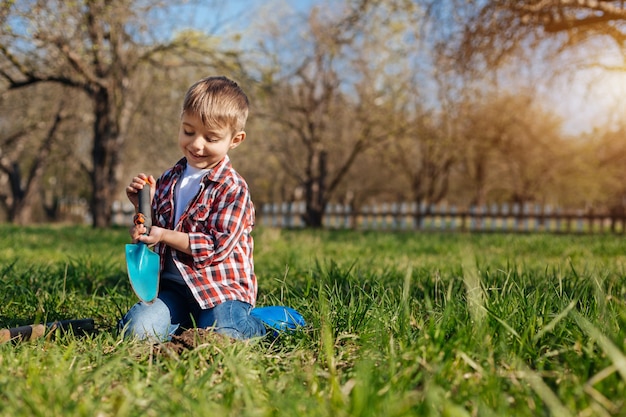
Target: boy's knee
[
  {"x": 148, "y": 321},
  {"x": 232, "y": 318}
]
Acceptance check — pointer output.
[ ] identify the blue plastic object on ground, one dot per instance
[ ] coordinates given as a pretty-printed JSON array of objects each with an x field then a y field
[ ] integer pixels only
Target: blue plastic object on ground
[{"x": 279, "y": 317}]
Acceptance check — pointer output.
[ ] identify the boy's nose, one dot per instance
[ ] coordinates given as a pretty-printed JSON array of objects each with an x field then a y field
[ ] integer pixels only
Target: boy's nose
[{"x": 197, "y": 143}]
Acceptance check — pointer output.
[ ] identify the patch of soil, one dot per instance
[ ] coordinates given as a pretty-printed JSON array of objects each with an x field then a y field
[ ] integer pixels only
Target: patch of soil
[{"x": 191, "y": 339}]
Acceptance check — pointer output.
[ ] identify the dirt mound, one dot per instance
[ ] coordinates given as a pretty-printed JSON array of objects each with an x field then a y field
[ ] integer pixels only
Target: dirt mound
[{"x": 192, "y": 339}]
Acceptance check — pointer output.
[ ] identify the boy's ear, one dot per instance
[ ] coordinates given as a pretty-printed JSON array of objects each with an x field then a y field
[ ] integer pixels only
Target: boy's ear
[{"x": 237, "y": 139}]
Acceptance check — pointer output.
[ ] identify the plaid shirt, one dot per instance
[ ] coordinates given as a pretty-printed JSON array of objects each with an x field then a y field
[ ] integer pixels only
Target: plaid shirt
[{"x": 219, "y": 220}]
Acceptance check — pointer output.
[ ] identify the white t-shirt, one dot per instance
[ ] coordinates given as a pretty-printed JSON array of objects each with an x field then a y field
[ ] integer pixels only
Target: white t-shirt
[{"x": 186, "y": 189}]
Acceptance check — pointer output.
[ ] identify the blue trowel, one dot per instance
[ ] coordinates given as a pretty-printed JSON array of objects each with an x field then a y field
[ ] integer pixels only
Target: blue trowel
[{"x": 141, "y": 262}]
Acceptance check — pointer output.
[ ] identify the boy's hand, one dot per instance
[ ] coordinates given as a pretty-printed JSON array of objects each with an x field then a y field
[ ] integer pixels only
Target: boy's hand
[
  {"x": 136, "y": 184},
  {"x": 137, "y": 233},
  {"x": 171, "y": 238}
]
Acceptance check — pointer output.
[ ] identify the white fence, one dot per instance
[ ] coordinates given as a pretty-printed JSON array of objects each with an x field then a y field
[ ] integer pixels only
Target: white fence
[{"x": 407, "y": 216}]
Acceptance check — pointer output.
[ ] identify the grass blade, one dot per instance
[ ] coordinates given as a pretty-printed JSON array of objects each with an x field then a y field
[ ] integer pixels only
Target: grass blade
[
  {"x": 612, "y": 351},
  {"x": 550, "y": 326},
  {"x": 544, "y": 392}
]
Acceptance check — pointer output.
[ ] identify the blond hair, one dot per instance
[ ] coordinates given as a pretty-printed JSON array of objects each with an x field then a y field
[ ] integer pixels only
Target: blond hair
[{"x": 218, "y": 102}]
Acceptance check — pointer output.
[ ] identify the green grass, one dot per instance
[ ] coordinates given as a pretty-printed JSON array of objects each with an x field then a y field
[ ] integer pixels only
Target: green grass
[{"x": 399, "y": 324}]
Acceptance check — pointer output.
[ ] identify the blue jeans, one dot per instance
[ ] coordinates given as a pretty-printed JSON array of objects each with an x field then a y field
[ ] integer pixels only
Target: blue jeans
[{"x": 176, "y": 307}]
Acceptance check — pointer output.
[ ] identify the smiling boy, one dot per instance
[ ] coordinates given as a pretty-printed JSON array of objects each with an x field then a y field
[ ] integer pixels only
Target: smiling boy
[{"x": 202, "y": 222}]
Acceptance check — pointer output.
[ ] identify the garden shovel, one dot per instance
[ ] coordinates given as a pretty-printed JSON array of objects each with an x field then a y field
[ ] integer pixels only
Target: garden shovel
[{"x": 141, "y": 262}]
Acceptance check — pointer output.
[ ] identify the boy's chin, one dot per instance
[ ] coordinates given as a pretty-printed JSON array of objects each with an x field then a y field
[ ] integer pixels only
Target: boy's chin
[{"x": 200, "y": 164}]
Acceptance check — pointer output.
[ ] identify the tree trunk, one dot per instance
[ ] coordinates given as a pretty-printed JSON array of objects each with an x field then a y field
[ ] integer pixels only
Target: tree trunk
[
  {"x": 105, "y": 156},
  {"x": 17, "y": 192},
  {"x": 22, "y": 214},
  {"x": 315, "y": 193}
]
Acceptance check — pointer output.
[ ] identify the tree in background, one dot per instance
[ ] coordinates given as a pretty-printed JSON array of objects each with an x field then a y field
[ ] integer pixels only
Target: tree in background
[
  {"x": 607, "y": 152},
  {"x": 579, "y": 43},
  {"x": 330, "y": 98},
  {"x": 529, "y": 150},
  {"x": 100, "y": 48},
  {"x": 492, "y": 47},
  {"x": 425, "y": 156},
  {"x": 26, "y": 146},
  {"x": 512, "y": 149},
  {"x": 497, "y": 29}
]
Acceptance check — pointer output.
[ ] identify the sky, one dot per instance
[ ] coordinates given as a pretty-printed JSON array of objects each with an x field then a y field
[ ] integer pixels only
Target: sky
[
  {"x": 591, "y": 100},
  {"x": 241, "y": 14}
]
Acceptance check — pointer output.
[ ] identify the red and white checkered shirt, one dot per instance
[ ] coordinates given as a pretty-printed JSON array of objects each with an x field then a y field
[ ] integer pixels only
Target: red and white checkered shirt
[{"x": 219, "y": 220}]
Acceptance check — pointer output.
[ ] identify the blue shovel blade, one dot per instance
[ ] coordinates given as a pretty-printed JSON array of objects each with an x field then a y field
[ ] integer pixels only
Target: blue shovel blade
[
  {"x": 143, "y": 271},
  {"x": 279, "y": 317}
]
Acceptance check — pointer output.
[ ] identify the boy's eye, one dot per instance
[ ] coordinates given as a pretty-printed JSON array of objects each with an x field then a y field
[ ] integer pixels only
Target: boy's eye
[{"x": 188, "y": 133}]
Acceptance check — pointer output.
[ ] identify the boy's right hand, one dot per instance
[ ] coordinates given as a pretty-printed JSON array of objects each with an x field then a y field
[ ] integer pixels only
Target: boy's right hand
[
  {"x": 136, "y": 184},
  {"x": 136, "y": 231}
]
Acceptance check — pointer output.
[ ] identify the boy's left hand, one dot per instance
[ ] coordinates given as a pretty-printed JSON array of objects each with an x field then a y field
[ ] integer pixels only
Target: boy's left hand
[{"x": 136, "y": 184}]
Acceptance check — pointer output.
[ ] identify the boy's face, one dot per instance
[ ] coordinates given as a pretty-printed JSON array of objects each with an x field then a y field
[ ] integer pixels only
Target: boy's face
[{"x": 204, "y": 148}]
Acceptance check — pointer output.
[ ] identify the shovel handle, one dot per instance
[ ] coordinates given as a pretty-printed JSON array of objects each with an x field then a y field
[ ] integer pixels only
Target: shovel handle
[
  {"x": 36, "y": 331},
  {"x": 145, "y": 207}
]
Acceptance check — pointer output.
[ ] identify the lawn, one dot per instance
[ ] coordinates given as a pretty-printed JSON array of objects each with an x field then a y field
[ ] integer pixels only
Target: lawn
[{"x": 398, "y": 324}]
